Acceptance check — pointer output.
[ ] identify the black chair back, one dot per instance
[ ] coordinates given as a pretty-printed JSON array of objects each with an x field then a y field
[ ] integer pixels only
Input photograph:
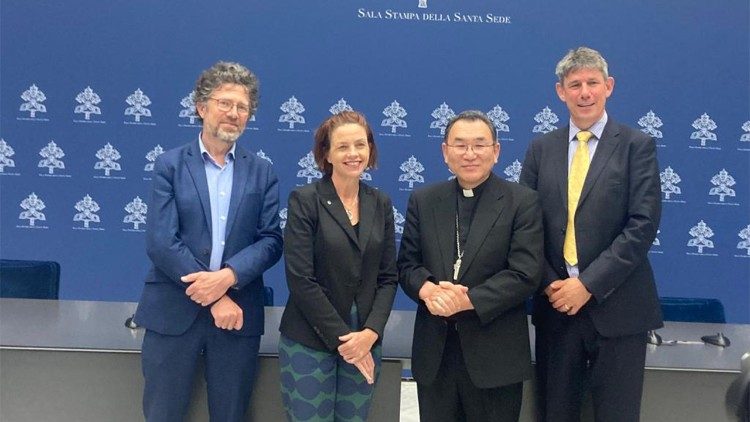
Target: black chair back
[
  {"x": 689, "y": 309},
  {"x": 29, "y": 279},
  {"x": 267, "y": 296}
]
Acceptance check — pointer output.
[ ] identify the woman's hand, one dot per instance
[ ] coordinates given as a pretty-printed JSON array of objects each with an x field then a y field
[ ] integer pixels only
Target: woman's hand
[
  {"x": 366, "y": 367},
  {"x": 357, "y": 344}
]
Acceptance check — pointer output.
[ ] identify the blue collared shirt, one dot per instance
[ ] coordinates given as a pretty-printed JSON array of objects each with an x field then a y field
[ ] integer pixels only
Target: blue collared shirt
[
  {"x": 596, "y": 129},
  {"x": 220, "y": 192}
]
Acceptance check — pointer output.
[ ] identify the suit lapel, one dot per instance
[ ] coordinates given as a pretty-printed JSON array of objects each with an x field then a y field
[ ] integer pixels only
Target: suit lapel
[
  {"x": 239, "y": 180},
  {"x": 488, "y": 210},
  {"x": 560, "y": 163},
  {"x": 367, "y": 205},
  {"x": 197, "y": 170},
  {"x": 604, "y": 150},
  {"x": 444, "y": 212},
  {"x": 332, "y": 204}
]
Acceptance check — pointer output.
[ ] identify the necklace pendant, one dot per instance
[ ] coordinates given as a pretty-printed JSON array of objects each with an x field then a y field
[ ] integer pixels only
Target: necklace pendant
[{"x": 456, "y": 269}]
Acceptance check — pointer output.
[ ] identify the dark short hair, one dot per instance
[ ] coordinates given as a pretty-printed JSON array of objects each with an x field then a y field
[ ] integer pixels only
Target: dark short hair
[
  {"x": 227, "y": 73},
  {"x": 322, "y": 144},
  {"x": 471, "y": 115}
]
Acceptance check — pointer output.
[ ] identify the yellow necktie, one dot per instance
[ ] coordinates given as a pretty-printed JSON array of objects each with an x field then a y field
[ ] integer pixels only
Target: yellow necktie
[{"x": 578, "y": 169}]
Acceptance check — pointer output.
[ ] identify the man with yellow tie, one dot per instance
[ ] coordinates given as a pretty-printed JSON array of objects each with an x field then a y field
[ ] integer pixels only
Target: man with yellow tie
[{"x": 598, "y": 183}]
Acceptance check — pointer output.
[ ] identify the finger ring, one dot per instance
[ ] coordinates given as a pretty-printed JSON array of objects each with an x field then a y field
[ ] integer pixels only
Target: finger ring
[{"x": 566, "y": 308}]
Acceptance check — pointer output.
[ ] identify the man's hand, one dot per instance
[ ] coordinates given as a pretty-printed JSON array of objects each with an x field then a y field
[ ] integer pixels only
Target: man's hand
[
  {"x": 357, "y": 344},
  {"x": 445, "y": 299},
  {"x": 208, "y": 286},
  {"x": 549, "y": 290},
  {"x": 426, "y": 293},
  {"x": 568, "y": 296},
  {"x": 427, "y": 289},
  {"x": 227, "y": 314},
  {"x": 458, "y": 295}
]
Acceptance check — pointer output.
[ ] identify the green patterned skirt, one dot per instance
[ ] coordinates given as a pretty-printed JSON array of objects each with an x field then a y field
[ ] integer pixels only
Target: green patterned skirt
[{"x": 320, "y": 386}]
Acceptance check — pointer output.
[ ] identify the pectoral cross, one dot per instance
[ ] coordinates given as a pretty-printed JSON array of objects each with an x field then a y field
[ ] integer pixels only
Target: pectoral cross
[{"x": 459, "y": 252}]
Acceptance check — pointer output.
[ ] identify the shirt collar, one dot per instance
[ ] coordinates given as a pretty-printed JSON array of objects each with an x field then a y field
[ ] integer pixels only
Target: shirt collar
[
  {"x": 206, "y": 156},
  {"x": 597, "y": 128}
]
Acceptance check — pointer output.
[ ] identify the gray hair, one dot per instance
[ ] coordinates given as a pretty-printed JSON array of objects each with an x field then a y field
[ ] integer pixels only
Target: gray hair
[
  {"x": 227, "y": 73},
  {"x": 471, "y": 115},
  {"x": 581, "y": 58}
]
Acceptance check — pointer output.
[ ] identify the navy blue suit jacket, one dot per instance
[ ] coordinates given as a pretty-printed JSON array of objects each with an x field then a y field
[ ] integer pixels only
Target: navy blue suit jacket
[
  {"x": 616, "y": 222},
  {"x": 179, "y": 238}
]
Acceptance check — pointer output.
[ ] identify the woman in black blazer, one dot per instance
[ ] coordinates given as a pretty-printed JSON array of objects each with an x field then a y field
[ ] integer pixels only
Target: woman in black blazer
[{"x": 340, "y": 254}]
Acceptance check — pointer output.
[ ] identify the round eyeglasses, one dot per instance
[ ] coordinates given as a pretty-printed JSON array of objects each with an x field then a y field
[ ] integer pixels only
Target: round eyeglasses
[
  {"x": 478, "y": 149},
  {"x": 227, "y": 105}
]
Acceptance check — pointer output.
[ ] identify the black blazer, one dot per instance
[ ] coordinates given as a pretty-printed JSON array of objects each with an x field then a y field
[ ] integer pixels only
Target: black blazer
[
  {"x": 616, "y": 222},
  {"x": 501, "y": 266},
  {"x": 328, "y": 265}
]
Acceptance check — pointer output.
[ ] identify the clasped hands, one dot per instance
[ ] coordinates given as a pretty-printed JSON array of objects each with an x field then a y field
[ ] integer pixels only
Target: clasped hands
[
  {"x": 209, "y": 288},
  {"x": 445, "y": 298},
  {"x": 356, "y": 349},
  {"x": 567, "y": 296}
]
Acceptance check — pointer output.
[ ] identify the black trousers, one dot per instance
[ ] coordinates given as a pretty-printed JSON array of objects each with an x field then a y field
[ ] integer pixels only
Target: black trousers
[
  {"x": 452, "y": 397},
  {"x": 572, "y": 357}
]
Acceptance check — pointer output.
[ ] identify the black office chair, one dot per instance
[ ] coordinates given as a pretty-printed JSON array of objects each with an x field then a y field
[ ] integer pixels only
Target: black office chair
[
  {"x": 267, "y": 296},
  {"x": 29, "y": 279},
  {"x": 689, "y": 309}
]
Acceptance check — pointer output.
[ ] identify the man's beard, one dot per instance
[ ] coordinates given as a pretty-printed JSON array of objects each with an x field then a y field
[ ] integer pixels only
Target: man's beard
[{"x": 228, "y": 137}]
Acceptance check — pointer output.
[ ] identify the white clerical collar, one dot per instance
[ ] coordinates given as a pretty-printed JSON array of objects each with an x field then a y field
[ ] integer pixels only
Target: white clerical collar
[{"x": 472, "y": 192}]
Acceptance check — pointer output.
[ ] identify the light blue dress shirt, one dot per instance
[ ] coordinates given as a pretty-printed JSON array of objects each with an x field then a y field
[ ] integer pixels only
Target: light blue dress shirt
[
  {"x": 596, "y": 129},
  {"x": 220, "y": 192}
]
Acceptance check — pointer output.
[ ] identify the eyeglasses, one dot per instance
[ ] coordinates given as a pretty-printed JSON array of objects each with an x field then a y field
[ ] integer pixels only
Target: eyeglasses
[
  {"x": 227, "y": 105},
  {"x": 478, "y": 149}
]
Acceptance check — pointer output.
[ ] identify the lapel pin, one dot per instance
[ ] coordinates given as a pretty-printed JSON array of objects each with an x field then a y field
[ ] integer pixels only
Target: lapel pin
[{"x": 328, "y": 202}]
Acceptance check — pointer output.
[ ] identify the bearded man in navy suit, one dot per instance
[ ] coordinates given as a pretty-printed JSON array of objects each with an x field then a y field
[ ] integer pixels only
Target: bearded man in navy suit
[
  {"x": 598, "y": 183},
  {"x": 213, "y": 230}
]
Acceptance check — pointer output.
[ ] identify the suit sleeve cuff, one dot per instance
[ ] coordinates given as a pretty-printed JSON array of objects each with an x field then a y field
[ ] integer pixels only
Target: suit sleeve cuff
[{"x": 234, "y": 286}]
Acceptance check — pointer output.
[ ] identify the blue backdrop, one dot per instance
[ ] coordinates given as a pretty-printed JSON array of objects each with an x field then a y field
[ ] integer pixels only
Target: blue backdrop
[{"x": 92, "y": 91}]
